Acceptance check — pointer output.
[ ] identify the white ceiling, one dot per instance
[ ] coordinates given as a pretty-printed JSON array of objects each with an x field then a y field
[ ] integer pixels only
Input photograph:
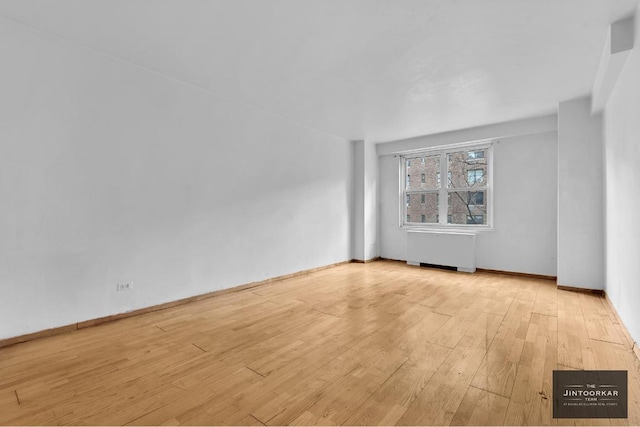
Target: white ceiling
[{"x": 374, "y": 69}]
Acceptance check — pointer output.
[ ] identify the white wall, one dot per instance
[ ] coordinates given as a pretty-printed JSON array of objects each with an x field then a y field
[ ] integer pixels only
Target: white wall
[
  {"x": 358, "y": 208},
  {"x": 111, "y": 173},
  {"x": 364, "y": 239},
  {"x": 622, "y": 154},
  {"x": 370, "y": 201},
  {"x": 580, "y": 196},
  {"x": 525, "y": 174}
]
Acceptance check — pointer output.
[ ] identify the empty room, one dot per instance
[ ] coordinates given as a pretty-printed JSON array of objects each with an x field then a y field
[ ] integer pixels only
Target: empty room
[{"x": 319, "y": 212}]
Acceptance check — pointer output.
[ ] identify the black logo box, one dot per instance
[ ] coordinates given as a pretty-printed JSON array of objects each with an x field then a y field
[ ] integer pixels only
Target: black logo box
[{"x": 590, "y": 394}]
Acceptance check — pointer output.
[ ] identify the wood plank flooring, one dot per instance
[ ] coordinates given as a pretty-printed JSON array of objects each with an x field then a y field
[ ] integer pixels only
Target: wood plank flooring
[{"x": 358, "y": 344}]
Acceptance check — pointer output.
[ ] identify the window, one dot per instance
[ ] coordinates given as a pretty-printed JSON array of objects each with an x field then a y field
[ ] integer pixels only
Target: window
[
  {"x": 475, "y": 176},
  {"x": 462, "y": 201},
  {"x": 472, "y": 155},
  {"x": 476, "y": 198}
]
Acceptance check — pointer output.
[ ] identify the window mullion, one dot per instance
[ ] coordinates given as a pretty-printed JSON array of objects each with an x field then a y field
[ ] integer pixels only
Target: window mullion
[
  {"x": 421, "y": 191},
  {"x": 465, "y": 189}
]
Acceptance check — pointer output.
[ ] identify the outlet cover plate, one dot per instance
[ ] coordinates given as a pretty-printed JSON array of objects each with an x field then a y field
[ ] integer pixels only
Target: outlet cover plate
[{"x": 124, "y": 286}]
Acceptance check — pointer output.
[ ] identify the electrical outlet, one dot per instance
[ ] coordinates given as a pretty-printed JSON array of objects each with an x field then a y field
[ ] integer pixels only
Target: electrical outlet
[{"x": 126, "y": 286}]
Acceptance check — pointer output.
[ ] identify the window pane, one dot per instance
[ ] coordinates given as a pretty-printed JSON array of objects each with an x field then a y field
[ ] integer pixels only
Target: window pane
[
  {"x": 467, "y": 169},
  {"x": 478, "y": 154},
  {"x": 424, "y": 173},
  {"x": 467, "y": 207},
  {"x": 426, "y": 212}
]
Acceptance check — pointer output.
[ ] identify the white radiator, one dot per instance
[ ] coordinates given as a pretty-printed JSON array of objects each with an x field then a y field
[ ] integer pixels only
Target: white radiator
[{"x": 442, "y": 248}]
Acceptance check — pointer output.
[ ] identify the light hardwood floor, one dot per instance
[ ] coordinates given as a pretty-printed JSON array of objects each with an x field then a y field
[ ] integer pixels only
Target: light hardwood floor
[{"x": 378, "y": 343}]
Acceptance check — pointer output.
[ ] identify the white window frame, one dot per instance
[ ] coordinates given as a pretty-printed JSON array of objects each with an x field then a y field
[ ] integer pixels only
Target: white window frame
[{"x": 443, "y": 191}]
